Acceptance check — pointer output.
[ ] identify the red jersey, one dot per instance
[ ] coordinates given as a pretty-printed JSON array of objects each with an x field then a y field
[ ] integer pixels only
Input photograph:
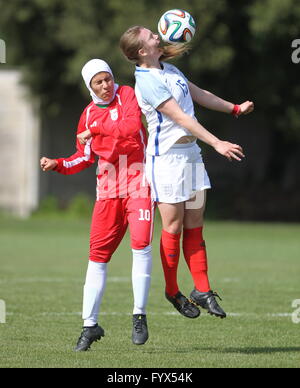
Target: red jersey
[{"x": 119, "y": 140}]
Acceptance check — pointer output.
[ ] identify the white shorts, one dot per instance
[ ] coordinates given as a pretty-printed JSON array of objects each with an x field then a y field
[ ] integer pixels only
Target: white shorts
[{"x": 177, "y": 175}]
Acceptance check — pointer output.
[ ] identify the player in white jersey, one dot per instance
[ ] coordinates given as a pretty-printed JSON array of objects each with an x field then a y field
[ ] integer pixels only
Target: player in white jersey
[
  {"x": 153, "y": 87},
  {"x": 174, "y": 163}
]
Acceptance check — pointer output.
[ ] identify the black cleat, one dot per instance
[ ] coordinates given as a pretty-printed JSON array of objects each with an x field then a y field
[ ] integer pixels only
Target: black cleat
[
  {"x": 87, "y": 337},
  {"x": 183, "y": 305},
  {"x": 140, "y": 329},
  {"x": 208, "y": 301}
]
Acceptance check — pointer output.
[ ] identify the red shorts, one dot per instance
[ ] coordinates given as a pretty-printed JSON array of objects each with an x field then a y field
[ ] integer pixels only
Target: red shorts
[{"x": 109, "y": 224}]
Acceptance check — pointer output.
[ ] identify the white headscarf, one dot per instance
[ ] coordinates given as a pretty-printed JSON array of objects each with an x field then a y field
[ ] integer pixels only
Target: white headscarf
[{"x": 89, "y": 70}]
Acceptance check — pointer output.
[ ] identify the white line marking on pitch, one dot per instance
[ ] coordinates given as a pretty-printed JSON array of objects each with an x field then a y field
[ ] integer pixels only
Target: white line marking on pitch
[
  {"x": 113, "y": 279},
  {"x": 169, "y": 313}
]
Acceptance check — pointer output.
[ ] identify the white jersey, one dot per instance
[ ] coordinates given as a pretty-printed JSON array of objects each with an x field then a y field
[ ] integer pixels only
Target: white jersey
[{"x": 153, "y": 87}]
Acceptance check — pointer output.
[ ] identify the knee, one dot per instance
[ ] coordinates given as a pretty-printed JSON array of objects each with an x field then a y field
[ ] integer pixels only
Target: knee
[{"x": 173, "y": 227}]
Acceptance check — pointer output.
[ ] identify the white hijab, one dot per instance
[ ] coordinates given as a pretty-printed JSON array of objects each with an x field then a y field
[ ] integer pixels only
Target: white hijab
[{"x": 89, "y": 70}]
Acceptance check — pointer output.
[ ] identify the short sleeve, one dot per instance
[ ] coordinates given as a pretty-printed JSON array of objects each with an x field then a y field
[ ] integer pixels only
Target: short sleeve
[{"x": 153, "y": 91}]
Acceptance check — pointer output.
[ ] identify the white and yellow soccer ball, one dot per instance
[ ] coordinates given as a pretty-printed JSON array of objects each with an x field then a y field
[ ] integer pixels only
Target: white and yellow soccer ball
[{"x": 176, "y": 26}]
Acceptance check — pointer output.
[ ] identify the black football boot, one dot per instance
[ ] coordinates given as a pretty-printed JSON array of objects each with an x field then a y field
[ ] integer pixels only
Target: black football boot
[
  {"x": 207, "y": 301},
  {"x": 140, "y": 333},
  {"x": 183, "y": 305},
  {"x": 88, "y": 336}
]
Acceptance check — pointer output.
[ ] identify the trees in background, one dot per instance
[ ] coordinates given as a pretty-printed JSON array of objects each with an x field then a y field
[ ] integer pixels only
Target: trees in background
[{"x": 242, "y": 50}]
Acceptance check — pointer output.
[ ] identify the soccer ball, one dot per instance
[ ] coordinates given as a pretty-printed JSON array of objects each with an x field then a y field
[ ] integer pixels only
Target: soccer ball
[{"x": 176, "y": 26}]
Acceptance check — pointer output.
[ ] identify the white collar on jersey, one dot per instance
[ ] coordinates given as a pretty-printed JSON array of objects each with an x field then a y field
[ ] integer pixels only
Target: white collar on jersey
[
  {"x": 148, "y": 69},
  {"x": 89, "y": 70}
]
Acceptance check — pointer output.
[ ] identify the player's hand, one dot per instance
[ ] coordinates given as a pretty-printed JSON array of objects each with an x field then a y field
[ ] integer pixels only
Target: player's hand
[
  {"x": 246, "y": 107},
  {"x": 229, "y": 150},
  {"x": 48, "y": 164},
  {"x": 83, "y": 137}
]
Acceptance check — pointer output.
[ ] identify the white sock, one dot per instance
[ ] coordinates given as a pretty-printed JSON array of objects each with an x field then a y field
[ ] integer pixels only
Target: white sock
[
  {"x": 93, "y": 292},
  {"x": 141, "y": 278}
]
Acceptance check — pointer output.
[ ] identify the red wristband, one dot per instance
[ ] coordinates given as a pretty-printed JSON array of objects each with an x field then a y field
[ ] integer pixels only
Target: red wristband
[{"x": 236, "y": 111}]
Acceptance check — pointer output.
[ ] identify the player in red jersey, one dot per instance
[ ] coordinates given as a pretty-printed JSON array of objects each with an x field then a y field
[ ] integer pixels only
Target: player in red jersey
[{"x": 123, "y": 195}]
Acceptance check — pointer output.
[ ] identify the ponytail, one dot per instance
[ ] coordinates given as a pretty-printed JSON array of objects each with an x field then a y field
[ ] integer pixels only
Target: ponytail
[{"x": 174, "y": 50}]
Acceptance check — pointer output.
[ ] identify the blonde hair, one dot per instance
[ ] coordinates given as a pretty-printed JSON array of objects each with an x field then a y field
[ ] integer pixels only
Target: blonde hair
[{"x": 130, "y": 44}]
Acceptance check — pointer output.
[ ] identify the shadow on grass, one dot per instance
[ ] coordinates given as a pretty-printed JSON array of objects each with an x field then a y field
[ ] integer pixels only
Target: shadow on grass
[
  {"x": 246, "y": 350},
  {"x": 266, "y": 350}
]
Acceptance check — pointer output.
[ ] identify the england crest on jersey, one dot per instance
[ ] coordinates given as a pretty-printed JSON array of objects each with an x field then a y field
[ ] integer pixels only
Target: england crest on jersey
[{"x": 114, "y": 114}]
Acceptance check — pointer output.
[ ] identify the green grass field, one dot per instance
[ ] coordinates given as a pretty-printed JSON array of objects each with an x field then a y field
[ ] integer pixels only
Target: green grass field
[{"x": 254, "y": 267}]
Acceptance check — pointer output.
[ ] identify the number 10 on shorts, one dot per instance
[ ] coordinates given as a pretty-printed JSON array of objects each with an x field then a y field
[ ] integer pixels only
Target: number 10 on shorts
[{"x": 144, "y": 215}]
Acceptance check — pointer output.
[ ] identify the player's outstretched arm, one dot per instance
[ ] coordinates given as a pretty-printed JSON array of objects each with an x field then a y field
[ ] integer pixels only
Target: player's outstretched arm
[
  {"x": 79, "y": 161},
  {"x": 213, "y": 102},
  {"x": 171, "y": 109}
]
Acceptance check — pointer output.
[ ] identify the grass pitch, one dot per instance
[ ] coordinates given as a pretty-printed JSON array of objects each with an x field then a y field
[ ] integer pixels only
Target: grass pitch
[{"x": 254, "y": 267}]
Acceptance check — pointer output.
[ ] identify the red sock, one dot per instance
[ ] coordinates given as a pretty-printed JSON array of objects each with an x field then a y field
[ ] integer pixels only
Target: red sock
[
  {"x": 195, "y": 255},
  {"x": 170, "y": 252}
]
